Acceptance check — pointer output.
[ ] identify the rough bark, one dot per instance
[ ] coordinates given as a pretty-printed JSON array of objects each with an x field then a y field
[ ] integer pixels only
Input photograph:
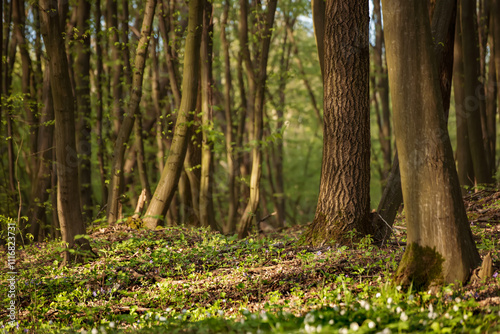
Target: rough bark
[
  {"x": 68, "y": 194},
  {"x": 132, "y": 110},
  {"x": 167, "y": 185},
  {"x": 440, "y": 245},
  {"x": 344, "y": 195},
  {"x": 258, "y": 123}
]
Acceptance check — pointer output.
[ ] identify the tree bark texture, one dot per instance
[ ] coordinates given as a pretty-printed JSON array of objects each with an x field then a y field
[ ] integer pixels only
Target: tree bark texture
[
  {"x": 440, "y": 245},
  {"x": 344, "y": 195},
  {"x": 167, "y": 185}
]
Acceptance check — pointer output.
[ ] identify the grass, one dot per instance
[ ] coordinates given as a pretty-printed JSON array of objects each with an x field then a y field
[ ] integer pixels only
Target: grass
[{"x": 180, "y": 280}]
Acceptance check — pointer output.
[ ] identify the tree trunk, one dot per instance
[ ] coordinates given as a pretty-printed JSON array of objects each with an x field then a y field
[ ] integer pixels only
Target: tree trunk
[
  {"x": 68, "y": 194},
  {"x": 344, "y": 195},
  {"x": 42, "y": 179},
  {"x": 232, "y": 161},
  {"x": 207, "y": 214},
  {"x": 442, "y": 21},
  {"x": 465, "y": 168},
  {"x": 133, "y": 109},
  {"x": 440, "y": 245},
  {"x": 318, "y": 11},
  {"x": 258, "y": 124},
  {"x": 82, "y": 89},
  {"x": 472, "y": 91},
  {"x": 167, "y": 185}
]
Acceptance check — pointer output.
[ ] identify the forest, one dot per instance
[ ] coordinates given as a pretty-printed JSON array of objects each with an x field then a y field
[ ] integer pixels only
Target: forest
[{"x": 249, "y": 166}]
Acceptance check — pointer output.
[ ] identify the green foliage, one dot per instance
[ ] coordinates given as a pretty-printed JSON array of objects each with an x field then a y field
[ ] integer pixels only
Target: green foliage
[{"x": 178, "y": 280}]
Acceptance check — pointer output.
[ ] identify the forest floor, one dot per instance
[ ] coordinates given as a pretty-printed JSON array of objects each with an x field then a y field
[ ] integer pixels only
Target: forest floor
[{"x": 195, "y": 281}]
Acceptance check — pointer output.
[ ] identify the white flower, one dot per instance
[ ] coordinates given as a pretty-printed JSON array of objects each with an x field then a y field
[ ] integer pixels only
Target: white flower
[
  {"x": 458, "y": 300},
  {"x": 309, "y": 318},
  {"x": 404, "y": 317},
  {"x": 94, "y": 331},
  {"x": 410, "y": 297},
  {"x": 455, "y": 308},
  {"x": 398, "y": 288},
  {"x": 398, "y": 310},
  {"x": 331, "y": 322},
  {"x": 220, "y": 312},
  {"x": 389, "y": 300},
  {"x": 371, "y": 324},
  {"x": 465, "y": 316},
  {"x": 343, "y": 331},
  {"x": 112, "y": 324},
  {"x": 162, "y": 318},
  {"x": 432, "y": 315},
  {"x": 378, "y": 295},
  {"x": 354, "y": 326},
  {"x": 310, "y": 329},
  {"x": 431, "y": 308}
]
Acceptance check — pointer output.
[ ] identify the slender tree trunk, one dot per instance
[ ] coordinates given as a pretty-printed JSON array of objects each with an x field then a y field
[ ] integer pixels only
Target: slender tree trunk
[
  {"x": 232, "y": 161},
  {"x": 472, "y": 91},
  {"x": 207, "y": 214},
  {"x": 133, "y": 109},
  {"x": 464, "y": 159},
  {"x": 258, "y": 124},
  {"x": 167, "y": 185},
  {"x": 318, "y": 11},
  {"x": 99, "y": 102},
  {"x": 68, "y": 194},
  {"x": 42, "y": 179},
  {"x": 491, "y": 109},
  {"x": 440, "y": 245},
  {"x": 495, "y": 46},
  {"x": 344, "y": 195},
  {"x": 82, "y": 89}
]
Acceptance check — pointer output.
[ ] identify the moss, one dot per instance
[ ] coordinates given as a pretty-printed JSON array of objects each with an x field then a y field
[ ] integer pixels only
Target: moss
[{"x": 421, "y": 267}]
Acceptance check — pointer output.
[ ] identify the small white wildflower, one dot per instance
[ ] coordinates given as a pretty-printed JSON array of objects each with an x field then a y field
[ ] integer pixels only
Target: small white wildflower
[
  {"x": 319, "y": 328},
  {"x": 386, "y": 331},
  {"x": 94, "y": 331},
  {"x": 403, "y": 317},
  {"x": 410, "y": 297},
  {"x": 431, "y": 308},
  {"x": 331, "y": 322},
  {"x": 398, "y": 310},
  {"x": 179, "y": 317},
  {"x": 264, "y": 317},
  {"x": 458, "y": 300},
  {"x": 103, "y": 330},
  {"x": 343, "y": 331},
  {"x": 162, "y": 318},
  {"x": 208, "y": 314},
  {"x": 342, "y": 312},
  {"x": 339, "y": 296},
  {"x": 389, "y": 300},
  {"x": 367, "y": 307},
  {"x": 432, "y": 315},
  {"x": 309, "y": 329},
  {"x": 447, "y": 315},
  {"x": 455, "y": 308},
  {"x": 168, "y": 309},
  {"x": 309, "y": 318},
  {"x": 184, "y": 311},
  {"x": 354, "y": 326},
  {"x": 398, "y": 288},
  {"x": 378, "y": 295},
  {"x": 112, "y": 324},
  {"x": 371, "y": 324},
  {"x": 466, "y": 316},
  {"x": 335, "y": 308},
  {"x": 220, "y": 313}
]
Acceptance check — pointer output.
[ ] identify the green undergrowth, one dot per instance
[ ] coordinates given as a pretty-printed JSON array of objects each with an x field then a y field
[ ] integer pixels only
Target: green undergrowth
[{"x": 180, "y": 280}]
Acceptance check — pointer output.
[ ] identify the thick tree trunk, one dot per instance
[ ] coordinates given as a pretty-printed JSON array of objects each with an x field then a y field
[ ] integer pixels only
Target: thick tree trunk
[
  {"x": 133, "y": 109},
  {"x": 442, "y": 28},
  {"x": 68, "y": 194},
  {"x": 167, "y": 185},
  {"x": 258, "y": 123},
  {"x": 344, "y": 195},
  {"x": 440, "y": 245}
]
